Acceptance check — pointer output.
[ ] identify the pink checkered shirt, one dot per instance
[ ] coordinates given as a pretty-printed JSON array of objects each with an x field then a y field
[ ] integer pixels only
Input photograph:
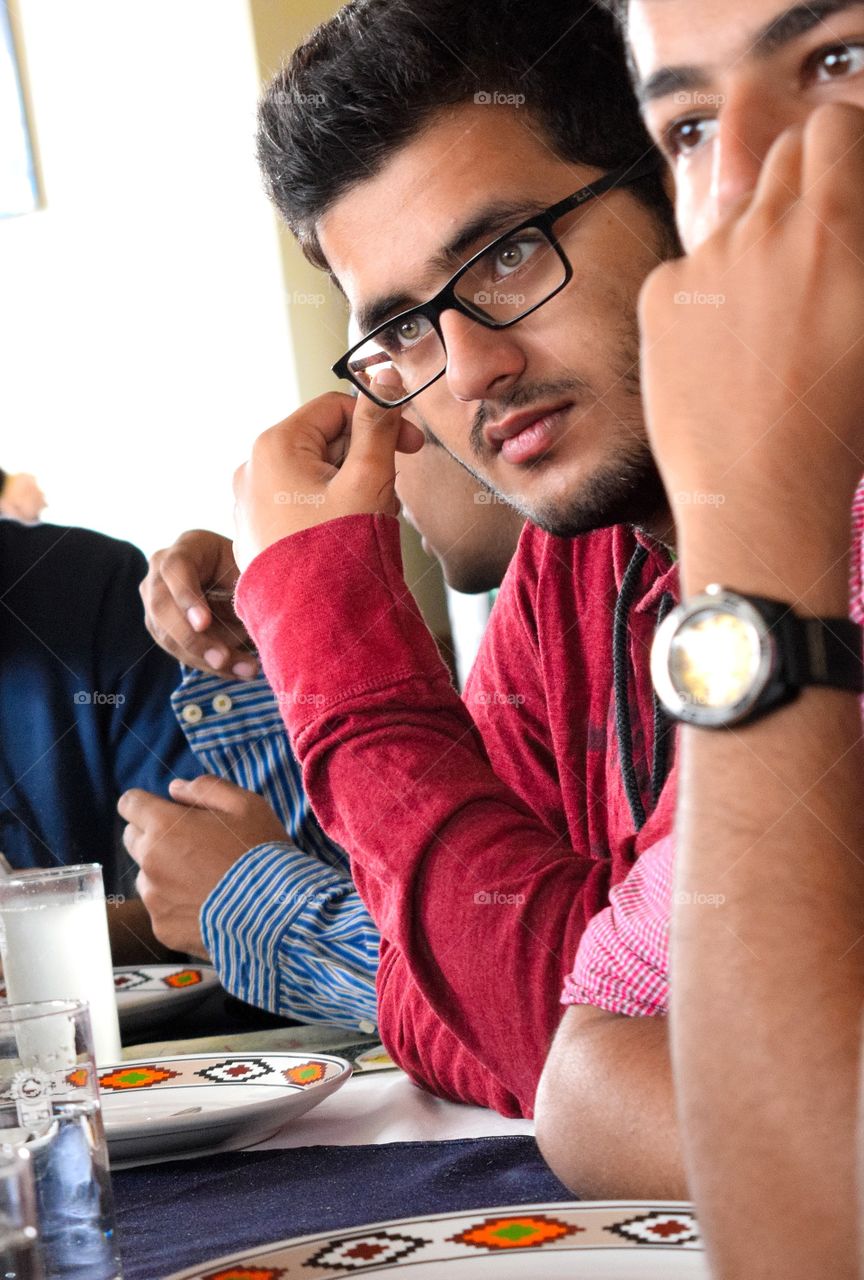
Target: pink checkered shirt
[{"x": 622, "y": 964}]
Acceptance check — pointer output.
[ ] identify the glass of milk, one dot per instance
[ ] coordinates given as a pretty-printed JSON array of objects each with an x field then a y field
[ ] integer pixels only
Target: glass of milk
[
  {"x": 54, "y": 942},
  {"x": 50, "y": 1108}
]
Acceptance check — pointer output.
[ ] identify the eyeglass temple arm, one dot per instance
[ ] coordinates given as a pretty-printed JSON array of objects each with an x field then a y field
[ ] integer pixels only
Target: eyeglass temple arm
[{"x": 651, "y": 162}]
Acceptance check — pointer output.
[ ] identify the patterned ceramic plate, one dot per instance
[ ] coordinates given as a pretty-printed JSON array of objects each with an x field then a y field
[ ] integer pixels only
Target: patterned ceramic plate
[
  {"x": 200, "y": 1102},
  {"x": 635, "y": 1240},
  {"x": 157, "y": 991}
]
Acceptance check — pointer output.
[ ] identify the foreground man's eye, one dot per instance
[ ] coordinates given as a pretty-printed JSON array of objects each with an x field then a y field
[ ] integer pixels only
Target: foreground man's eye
[
  {"x": 683, "y": 137},
  {"x": 838, "y": 62}
]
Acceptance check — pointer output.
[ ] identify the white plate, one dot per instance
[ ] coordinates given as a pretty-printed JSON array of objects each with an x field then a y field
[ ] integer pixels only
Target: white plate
[
  {"x": 198, "y": 1102},
  {"x": 632, "y": 1240},
  {"x": 148, "y": 994}
]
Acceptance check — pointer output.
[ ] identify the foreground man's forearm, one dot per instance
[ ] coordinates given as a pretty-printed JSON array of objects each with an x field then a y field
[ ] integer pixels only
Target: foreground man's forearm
[{"x": 768, "y": 960}]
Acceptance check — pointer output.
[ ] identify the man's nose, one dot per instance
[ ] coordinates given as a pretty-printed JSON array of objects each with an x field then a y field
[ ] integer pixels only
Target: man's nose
[{"x": 481, "y": 363}]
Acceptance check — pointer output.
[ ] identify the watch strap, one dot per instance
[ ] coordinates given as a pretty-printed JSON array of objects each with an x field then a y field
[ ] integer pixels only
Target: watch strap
[{"x": 823, "y": 651}]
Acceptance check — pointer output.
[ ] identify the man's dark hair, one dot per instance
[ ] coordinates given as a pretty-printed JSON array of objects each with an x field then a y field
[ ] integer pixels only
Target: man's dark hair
[
  {"x": 618, "y": 9},
  {"x": 370, "y": 79}
]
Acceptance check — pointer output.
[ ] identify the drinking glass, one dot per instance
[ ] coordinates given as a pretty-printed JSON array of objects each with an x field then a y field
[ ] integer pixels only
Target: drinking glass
[
  {"x": 19, "y": 1248},
  {"x": 49, "y": 1104},
  {"x": 54, "y": 942}
]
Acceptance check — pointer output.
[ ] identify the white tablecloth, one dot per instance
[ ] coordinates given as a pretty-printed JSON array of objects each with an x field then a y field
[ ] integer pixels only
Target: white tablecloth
[{"x": 384, "y": 1106}]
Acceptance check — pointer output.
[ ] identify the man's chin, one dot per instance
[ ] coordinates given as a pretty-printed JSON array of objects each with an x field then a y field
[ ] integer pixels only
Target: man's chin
[{"x": 632, "y": 493}]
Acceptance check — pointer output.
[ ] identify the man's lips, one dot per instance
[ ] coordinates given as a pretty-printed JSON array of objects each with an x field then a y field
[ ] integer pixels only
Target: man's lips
[{"x": 523, "y": 436}]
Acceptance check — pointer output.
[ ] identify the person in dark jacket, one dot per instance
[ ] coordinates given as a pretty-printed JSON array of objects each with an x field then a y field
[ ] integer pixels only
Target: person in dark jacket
[{"x": 85, "y": 709}]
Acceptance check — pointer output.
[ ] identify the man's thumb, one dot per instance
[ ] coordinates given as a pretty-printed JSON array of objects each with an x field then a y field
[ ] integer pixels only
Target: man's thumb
[{"x": 375, "y": 430}]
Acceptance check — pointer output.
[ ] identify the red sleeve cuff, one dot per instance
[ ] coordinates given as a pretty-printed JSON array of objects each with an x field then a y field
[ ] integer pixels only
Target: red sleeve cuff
[{"x": 296, "y": 596}]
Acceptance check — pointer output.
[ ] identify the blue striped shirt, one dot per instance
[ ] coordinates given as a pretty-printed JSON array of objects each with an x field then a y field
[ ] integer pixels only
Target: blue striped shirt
[{"x": 285, "y": 926}]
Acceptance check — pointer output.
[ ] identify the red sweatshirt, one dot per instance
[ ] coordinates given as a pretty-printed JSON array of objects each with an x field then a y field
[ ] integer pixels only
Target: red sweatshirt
[{"x": 483, "y": 834}]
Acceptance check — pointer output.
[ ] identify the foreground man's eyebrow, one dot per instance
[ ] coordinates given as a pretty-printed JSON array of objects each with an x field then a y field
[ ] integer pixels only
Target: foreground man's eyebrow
[
  {"x": 787, "y": 26},
  {"x": 795, "y": 22},
  {"x": 669, "y": 80}
]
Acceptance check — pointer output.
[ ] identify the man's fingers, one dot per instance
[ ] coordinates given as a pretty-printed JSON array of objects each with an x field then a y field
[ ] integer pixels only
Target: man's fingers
[
  {"x": 209, "y": 792},
  {"x": 370, "y": 466},
  {"x": 411, "y": 438},
  {"x": 141, "y": 807},
  {"x": 131, "y": 838},
  {"x": 833, "y": 160},
  {"x": 168, "y": 625},
  {"x": 779, "y": 186}
]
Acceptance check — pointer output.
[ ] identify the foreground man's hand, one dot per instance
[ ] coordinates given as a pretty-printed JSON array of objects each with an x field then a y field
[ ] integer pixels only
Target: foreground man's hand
[
  {"x": 187, "y": 605},
  {"x": 754, "y": 363},
  {"x": 335, "y": 457},
  {"x": 758, "y": 404},
  {"x": 183, "y": 849}
]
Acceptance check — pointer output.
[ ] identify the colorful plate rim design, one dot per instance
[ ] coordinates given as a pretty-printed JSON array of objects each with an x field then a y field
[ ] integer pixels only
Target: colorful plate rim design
[
  {"x": 131, "y": 982},
  {"x": 293, "y": 1072},
  {"x": 569, "y": 1226}
]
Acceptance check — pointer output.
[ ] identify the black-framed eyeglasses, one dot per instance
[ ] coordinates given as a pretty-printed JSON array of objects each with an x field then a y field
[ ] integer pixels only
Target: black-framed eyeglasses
[{"x": 502, "y": 284}]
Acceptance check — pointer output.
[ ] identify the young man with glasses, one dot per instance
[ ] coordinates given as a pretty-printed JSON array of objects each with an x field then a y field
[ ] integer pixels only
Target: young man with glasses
[
  {"x": 490, "y": 201},
  {"x": 757, "y": 107}
]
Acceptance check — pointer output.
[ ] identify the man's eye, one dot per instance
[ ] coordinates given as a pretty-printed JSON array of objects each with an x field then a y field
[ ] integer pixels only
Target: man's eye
[
  {"x": 412, "y": 330},
  {"x": 683, "y": 137},
  {"x": 513, "y": 254},
  {"x": 837, "y": 62},
  {"x": 404, "y": 334}
]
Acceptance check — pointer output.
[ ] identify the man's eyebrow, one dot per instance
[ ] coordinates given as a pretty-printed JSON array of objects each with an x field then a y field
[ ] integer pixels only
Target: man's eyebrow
[
  {"x": 796, "y": 22},
  {"x": 787, "y": 26},
  {"x": 488, "y": 222},
  {"x": 669, "y": 80}
]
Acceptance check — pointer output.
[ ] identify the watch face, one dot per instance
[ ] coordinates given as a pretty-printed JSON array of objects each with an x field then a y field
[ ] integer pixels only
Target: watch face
[
  {"x": 714, "y": 659},
  {"x": 711, "y": 659}
]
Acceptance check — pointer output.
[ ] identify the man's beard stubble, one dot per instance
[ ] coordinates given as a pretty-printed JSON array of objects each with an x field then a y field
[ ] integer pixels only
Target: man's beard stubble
[{"x": 627, "y": 490}]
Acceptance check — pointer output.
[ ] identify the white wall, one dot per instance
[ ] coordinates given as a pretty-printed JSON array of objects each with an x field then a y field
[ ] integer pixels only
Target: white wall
[{"x": 144, "y": 336}]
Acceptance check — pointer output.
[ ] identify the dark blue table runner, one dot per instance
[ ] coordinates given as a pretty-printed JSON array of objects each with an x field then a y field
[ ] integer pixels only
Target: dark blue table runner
[{"x": 174, "y": 1215}]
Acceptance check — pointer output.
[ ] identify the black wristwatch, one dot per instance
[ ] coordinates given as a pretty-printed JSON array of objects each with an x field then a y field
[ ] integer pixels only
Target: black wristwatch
[{"x": 722, "y": 658}]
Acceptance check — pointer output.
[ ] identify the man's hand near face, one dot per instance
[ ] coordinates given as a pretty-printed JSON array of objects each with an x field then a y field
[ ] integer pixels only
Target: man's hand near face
[
  {"x": 334, "y": 457},
  {"x": 754, "y": 371},
  {"x": 183, "y": 849}
]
